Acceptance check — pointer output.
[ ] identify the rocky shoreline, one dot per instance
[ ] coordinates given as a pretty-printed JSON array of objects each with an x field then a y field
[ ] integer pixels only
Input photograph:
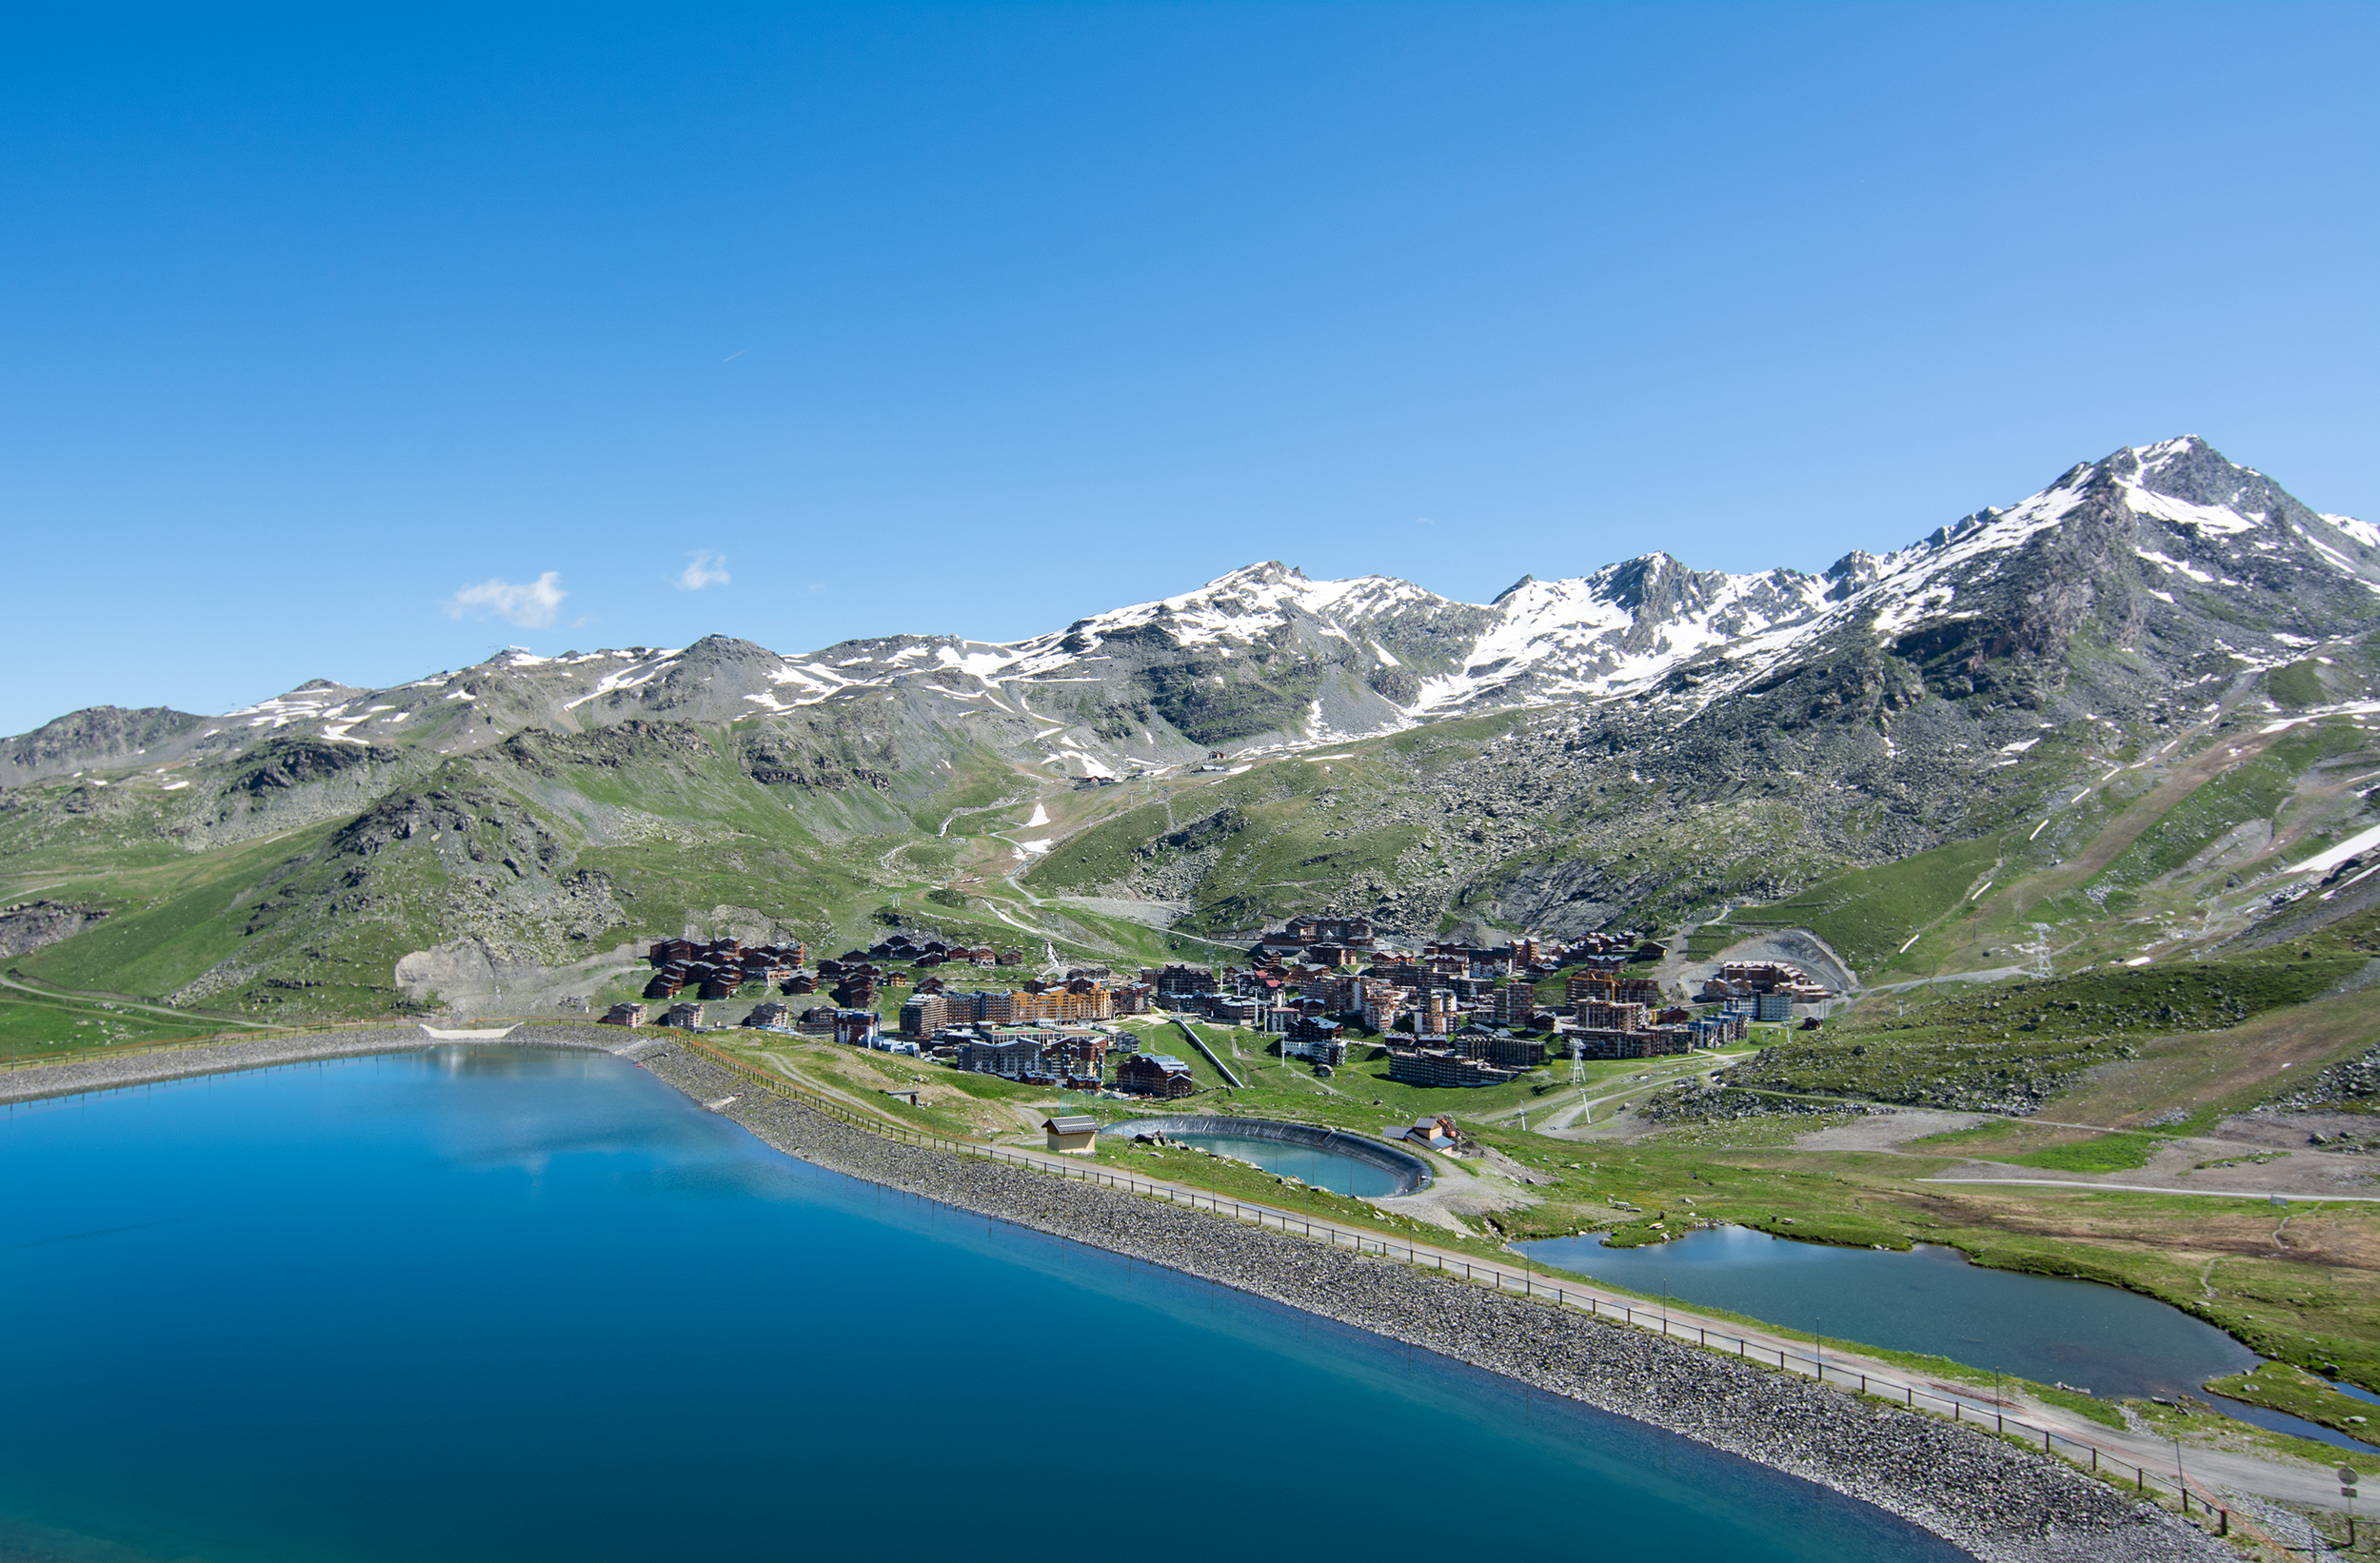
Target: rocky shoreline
[
  {"x": 103, "y": 1072},
  {"x": 1999, "y": 1502}
]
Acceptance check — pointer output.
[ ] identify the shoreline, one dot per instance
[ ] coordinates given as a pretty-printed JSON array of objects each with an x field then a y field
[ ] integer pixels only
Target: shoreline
[
  {"x": 95, "y": 1073},
  {"x": 1991, "y": 1499}
]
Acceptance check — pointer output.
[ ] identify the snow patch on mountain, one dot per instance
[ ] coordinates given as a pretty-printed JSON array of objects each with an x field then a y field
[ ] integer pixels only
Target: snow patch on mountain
[{"x": 1326, "y": 661}]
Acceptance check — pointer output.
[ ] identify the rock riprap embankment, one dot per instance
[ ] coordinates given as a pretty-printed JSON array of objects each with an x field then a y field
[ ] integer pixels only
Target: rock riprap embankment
[
  {"x": 1995, "y": 1500},
  {"x": 1999, "y": 1502}
]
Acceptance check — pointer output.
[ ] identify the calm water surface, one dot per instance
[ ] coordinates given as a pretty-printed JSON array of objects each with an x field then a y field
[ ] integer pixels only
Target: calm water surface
[
  {"x": 526, "y": 1306},
  {"x": 2112, "y": 1342},
  {"x": 1323, "y": 1169},
  {"x": 1928, "y": 1300}
]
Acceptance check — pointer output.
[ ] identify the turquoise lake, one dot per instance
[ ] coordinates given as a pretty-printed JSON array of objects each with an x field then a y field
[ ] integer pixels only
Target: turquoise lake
[
  {"x": 526, "y": 1305},
  {"x": 2043, "y": 1328},
  {"x": 1322, "y": 1169}
]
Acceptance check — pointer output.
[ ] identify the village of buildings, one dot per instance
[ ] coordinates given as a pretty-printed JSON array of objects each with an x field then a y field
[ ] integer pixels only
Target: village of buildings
[{"x": 1444, "y": 1014}]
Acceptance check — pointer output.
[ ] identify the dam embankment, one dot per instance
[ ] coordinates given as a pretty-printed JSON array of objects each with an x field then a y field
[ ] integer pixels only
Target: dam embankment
[{"x": 1999, "y": 1502}]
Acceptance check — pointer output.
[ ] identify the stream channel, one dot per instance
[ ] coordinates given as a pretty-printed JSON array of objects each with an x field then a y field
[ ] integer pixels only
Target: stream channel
[{"x": 2116, "y": 1344}]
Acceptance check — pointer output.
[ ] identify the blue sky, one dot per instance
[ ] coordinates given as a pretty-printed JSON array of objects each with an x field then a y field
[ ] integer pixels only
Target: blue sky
[{"x": 358, "y": 342}]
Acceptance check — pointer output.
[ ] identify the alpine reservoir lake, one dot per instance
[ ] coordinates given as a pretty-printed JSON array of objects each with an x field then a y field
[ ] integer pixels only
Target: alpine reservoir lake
[{"x": 507, "y": 1303}]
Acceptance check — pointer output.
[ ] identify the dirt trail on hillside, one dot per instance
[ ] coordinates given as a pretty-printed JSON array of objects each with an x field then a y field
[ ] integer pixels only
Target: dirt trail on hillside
[{"x": 2128, "y": 827}]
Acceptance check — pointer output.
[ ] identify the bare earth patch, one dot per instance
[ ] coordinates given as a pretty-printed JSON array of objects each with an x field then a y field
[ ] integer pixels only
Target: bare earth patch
[{"x": 1886, "y": 1130}]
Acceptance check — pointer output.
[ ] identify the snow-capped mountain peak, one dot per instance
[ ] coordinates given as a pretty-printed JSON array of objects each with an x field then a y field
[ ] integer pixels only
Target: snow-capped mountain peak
[{"x": 2165, "y": 547}]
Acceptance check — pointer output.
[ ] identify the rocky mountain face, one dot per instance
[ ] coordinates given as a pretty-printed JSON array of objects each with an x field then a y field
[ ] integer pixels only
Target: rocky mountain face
[
  {"x": 2167, "y": 552},
  {"x": 1620, "y": 744}
]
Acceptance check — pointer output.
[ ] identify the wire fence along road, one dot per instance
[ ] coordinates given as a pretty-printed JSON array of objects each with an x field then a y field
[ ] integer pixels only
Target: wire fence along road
[{"x": 2194, "y": 1497}]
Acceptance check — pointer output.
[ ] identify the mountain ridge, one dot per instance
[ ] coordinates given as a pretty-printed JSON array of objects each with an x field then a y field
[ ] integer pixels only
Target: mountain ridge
[
  {"x": 1328, "y": 660},
  {"x": 1633, "y": 747}
]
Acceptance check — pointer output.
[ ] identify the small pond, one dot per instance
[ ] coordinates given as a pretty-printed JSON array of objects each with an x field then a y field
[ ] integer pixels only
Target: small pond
[
  {"x": 2114, "y": 1344},
  {"x": 1928, "y": 1300},
  {"x": 1323, "y": 1169},
  {"x": 1328, "y": 1158}
]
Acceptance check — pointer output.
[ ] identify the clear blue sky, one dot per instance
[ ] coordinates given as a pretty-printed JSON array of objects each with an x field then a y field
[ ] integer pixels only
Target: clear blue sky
[{"x": 979, "y": 319}]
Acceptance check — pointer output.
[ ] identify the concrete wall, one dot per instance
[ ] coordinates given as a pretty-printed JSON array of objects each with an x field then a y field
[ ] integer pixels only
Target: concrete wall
[{"x": 1411, "y": 1173}]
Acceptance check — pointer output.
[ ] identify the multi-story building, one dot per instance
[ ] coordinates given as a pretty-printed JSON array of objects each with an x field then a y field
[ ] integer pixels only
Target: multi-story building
[
  {"x": 1339, "y": 994},
  {"x": 977, "y": 1008},
  {"x": 1501, "y": 1048},
  {"x": 684, "y": 1016},
  {"x": 623, "y": 1014},
  {"x": 1154, "y": 1075},
  {"x": 1582, "y": 986},
  {"x": 1441, "y": 1066},
  {"x": 1075, "y": 1055},
  {"x": 1173, "y": 982},
  {"x": 1065, "y": 1005},
  {"x": 1604, "y": 1014},
  {"x": 1514, "y": 1004},
  {"x": 924, "y": 1013},
  {"x": 1011, "y": 1057},
  {"x": 1770, "y": 977},
  {"x": 1651, "y": 1042}
]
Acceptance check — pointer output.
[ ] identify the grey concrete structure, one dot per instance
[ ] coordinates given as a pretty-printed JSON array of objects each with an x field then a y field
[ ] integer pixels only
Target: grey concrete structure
[{"x": 1411, "y": 1171}]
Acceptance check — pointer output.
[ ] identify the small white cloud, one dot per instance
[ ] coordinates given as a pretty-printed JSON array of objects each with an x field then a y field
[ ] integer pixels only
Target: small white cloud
[
  {"x": 530, "y": 606},
  {"x": 703, "y": 569},
  {"x": 1424, "y": 520}
]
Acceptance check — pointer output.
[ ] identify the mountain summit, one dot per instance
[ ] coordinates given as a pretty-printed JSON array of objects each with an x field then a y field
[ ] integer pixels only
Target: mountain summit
[
  {"x": 1626, "y": 748},
  {"x": 2166, "y": 552}
]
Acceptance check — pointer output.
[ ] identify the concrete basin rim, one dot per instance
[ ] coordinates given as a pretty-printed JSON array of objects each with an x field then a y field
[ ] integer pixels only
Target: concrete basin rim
[{"x": 1413, "y": 1173}]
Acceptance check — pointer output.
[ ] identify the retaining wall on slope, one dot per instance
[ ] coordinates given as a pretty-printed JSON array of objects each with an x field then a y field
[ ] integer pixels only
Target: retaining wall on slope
[{"x": 1411, "y": 1173}]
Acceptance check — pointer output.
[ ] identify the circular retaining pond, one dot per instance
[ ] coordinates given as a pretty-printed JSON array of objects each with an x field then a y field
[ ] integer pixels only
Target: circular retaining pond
[{"x": 1408, "y": 1171}]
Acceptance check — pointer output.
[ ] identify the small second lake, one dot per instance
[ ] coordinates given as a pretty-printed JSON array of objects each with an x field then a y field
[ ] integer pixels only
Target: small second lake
[
  {"x": 1320, "y": 1168},
  {"x": 2112, "y": 1342}
]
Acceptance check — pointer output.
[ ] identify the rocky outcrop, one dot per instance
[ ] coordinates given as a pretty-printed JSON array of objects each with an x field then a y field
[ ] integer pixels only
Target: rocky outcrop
[
  {"x": 28, "y": 925},
  {"x": 101, "y": 736}
]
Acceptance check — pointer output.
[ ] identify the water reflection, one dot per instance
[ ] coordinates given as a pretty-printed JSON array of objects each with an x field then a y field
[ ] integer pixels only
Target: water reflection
[
  {"x": 2111, "y": 1343},
  {"x": 1322, "y": 1169},
  {"x": 525, "y": 1308}
]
